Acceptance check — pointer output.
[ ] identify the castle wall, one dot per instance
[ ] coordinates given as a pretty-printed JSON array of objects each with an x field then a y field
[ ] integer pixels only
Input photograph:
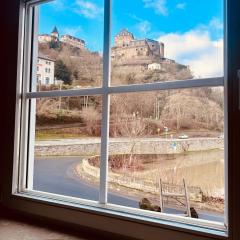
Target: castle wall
[
  {"x": 130, "y": 52},
  {"x": 122, "y": 41},
  {"x": 75, "y": 42},
  {"x": 44, "y": 38},
  {"x": 138, "y": 43},
  {"x": 124, "y": 38},
  {"x": 154, "y": 47},
  {"x": 126, "y": 47}
]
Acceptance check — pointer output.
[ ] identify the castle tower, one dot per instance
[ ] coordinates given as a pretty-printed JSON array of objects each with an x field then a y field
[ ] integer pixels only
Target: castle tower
[
  {"x": 123, "y": 38},
  {"x": 55, "y": 34}
]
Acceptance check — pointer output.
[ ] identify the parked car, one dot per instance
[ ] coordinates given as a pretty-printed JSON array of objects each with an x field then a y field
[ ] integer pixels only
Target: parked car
[
  {"x": 221, "y": 136},
  {"x": 183, "y": 136}
]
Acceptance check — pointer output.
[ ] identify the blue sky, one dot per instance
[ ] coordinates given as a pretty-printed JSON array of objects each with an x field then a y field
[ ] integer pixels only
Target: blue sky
[{"x": 170, "y": 21}]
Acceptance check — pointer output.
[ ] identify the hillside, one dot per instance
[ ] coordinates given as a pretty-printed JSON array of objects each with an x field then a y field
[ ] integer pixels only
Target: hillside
[
  {"x": 132, "y": 114},
  {"x": 86, "y": 67}
]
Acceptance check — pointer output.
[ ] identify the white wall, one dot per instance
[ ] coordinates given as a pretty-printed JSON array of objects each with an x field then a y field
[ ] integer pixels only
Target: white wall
[
  {"x": 154, "y": 66},
  {"x": 45, "y": 71}
]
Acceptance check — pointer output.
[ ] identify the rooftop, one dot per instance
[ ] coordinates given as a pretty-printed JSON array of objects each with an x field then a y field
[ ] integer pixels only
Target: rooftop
[
  {"x": 125, "y": 32},
  {"x": 55, "y": 30},
  {"x": 40, "y": 55},
  {"x": 74, "y": 38}
]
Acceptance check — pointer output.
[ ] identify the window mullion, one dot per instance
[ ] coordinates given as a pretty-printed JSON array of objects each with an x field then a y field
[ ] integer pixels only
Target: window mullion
[
  {"x": 32, "y": 104},
  {"x": 176, "y": 84},
  {"x": 106, "y": 103},
  {"x": 25, "y": 101}
]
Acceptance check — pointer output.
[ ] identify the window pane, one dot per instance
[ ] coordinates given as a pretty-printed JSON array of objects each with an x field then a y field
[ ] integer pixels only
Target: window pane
[
  {"x": 67, "y": 135},
  {"x": 155, "y": 41},
  {"x": 69, "y": 53},
  {"x": 163, "y": 140}
]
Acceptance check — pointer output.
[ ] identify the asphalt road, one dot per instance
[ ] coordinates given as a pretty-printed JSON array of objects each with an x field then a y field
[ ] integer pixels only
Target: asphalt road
[{"x": 55, "y": 175}]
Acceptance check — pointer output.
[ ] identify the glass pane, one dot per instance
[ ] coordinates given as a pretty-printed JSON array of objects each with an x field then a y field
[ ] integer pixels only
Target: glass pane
[
  {"x": 156, "y": 41},
  {"x": 67, "y": 135},
  {"x": 166, "y": 140},
  {"x": 69, "y": 54}
]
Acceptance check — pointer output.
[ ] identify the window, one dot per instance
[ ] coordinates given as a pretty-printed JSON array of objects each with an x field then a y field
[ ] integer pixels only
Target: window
[
  {"x": 47, "y": 80},
  {"x": 47, "y": 70},
  {"x": 38, "y": 77},
  {"x": 150, "y": 143}
]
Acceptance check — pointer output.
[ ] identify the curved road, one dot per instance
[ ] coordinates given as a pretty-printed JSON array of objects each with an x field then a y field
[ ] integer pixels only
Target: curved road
[{"x": 55, "y": 175}]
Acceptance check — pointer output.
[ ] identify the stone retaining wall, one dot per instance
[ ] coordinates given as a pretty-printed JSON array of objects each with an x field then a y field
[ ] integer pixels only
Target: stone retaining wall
[{"x": 138, "y": 146}]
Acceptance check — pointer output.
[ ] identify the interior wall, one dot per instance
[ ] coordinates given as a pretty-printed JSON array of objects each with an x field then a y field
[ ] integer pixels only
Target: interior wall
[
  {"x": 9, "y": 15},
  {"x": 8, "y": 48}
]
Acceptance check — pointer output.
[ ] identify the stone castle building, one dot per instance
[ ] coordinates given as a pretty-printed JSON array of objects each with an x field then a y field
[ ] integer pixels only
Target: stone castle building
[
  {"x": 127, "y": 47},
  {"x": 55, "y": 34},
  {"x": 66, "y": 39},
  {"x": 73, "y": 41},
  {"x": 45, "y": 38}
]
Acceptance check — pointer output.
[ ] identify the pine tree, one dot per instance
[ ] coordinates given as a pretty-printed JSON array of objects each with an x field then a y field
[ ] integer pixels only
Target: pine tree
[{"x": 62, "y": 72}]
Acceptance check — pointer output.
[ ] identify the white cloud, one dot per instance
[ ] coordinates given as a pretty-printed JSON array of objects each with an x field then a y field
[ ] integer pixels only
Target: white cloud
[
  {"x": 88, "y": 9},
  {"x": 144, "y": 27},
  {"x": 181, "y": 6},
  {"x": 159, "y": 6},
  {"x": 135, "y": 17},
  {"x": 58, "y": 5},
  {"x": 73, "y": 31},
  {"x": 196, "y": 49},
  {"x": 216, "y": 23}
]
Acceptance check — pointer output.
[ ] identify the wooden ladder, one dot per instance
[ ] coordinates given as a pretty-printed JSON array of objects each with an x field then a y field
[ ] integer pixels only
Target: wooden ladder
[{"x": 184, "y": 195}]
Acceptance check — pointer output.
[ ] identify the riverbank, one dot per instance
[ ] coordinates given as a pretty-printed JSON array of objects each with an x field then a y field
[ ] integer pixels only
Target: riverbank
[
  {"x": 198, "y": 160},
  {"x": 130, "y": 186}
]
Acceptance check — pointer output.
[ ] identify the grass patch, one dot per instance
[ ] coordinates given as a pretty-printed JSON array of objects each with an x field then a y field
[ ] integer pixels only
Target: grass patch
[{"x": 58, "y": 134}]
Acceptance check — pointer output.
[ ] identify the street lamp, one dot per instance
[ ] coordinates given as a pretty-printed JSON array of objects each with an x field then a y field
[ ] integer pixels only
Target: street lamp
[
  {"x": 166, "y": 131},
  {"x": 60, "y": 83}
]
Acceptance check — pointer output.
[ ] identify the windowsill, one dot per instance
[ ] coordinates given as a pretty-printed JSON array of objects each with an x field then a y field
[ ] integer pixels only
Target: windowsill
[{"x": 122, "y": 213}]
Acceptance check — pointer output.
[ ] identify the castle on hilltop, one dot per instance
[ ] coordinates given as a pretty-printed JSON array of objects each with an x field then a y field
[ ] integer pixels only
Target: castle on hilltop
[
  {"x": 126, "y": 50},
  {"x": 127, "y": 47},
  {"x": 66, "y": 39}
]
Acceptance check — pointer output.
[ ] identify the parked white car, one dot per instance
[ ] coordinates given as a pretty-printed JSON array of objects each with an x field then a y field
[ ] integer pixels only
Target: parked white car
[{"x": 183, "y": 136}]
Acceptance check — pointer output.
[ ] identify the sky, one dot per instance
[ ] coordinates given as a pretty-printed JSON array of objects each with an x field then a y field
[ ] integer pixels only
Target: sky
[{"x": 191, "y": 30}]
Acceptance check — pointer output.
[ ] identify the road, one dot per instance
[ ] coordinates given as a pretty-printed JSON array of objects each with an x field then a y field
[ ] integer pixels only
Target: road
[{"x": 55, "y": 175}]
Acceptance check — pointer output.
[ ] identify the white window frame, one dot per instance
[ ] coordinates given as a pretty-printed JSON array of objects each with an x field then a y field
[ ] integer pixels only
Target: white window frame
[{"x": 25, "y": 126}]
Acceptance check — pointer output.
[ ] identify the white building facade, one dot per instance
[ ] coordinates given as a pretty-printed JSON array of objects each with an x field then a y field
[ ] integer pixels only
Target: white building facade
[
  {"x": 154, "y": 66},
  {"x": 45, "y": 70},
  {"x": 44, "y": 38}
]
